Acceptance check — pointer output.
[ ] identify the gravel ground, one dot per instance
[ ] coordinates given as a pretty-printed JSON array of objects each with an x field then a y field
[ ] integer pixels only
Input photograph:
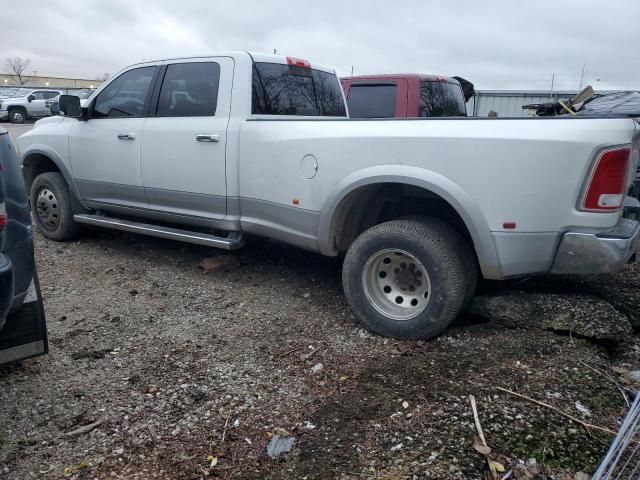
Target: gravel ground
[
  {"x": 181, "y": 373},
  {"x": 180, "y": 365}
]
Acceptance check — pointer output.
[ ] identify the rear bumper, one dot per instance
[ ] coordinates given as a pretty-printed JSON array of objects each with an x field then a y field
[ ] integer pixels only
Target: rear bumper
[
  {"x": 589, "y": 253},
  {"x": 4, "y": 115}
]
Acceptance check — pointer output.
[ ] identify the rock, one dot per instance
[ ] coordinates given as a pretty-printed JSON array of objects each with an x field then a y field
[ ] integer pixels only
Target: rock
[
  {"x": 317, "y": 368},
  {"x": 279, "y": 445},
  {"x": 633, "y": 376},
  {"x": 222, "y": 262},
  {"x": 583, "y": 409},
  {"x": 581, "y": 476},
  {"x": 582, "y": 315},
  {"x": 306, "y": 295}
]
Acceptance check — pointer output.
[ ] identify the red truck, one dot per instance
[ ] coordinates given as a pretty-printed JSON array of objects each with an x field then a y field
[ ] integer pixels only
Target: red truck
[{"x": 413, "y": 95}]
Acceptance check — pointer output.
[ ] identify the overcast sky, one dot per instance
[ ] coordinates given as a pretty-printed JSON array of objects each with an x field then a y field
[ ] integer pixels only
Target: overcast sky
[{"x": 495, "y": 44}]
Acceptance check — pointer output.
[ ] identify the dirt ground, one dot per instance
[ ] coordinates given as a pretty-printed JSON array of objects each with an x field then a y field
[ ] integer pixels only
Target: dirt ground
[
  {"x": 179, "y": 373},
  {"x": 185, "y": 368}
]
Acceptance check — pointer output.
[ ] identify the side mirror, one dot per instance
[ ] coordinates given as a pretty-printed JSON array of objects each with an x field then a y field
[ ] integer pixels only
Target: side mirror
[
  {"x": 70, "y": 106},
  {"x": 31, "y": 97}
]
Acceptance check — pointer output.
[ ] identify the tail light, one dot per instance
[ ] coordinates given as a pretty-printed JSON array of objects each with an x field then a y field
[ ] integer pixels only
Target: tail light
[
  {"x": 3, "y": 216},
  {"x": 608, "y": 182}
]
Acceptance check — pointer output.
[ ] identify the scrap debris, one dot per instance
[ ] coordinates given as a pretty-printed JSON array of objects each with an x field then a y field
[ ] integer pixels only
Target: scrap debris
[
  {"x": 480, "y": 445},
  {"x": 278, "y": 445},
  {"x": 84, "y": 429},
  {"x": 586, "y": 425}
]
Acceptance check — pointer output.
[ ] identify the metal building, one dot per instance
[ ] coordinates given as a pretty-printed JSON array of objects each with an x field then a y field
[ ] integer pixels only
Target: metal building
[
  {"x": 508, "y": 103},
  {"x": 7, "y": 79}
]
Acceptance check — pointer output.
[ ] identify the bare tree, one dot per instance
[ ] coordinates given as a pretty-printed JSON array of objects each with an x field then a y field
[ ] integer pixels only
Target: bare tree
[
  {"x": 103, "y": 78},
  {"x": 17, "y": 66}
]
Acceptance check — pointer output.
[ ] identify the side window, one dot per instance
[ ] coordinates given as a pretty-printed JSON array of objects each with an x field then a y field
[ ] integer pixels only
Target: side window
[
  {"x": 292, "y": 90},
  {"x": 39, "y": 94},
  {"x": 372, "y": 101},
  {"x": 189, "y": 89},
  {"x": 50, "y": 95},
  {"x": 126, "y": 96},
  {"x": 441, "y": 99}
]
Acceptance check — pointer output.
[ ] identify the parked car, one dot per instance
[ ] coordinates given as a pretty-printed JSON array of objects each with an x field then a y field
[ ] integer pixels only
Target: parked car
[
  {"x": 420, "y": 208},
  {"x": 22, "y": 321},
  {"x": 83, "y": 94},
  {"x": 386, "y": 96},
  {"x": 27, "y": 103}
]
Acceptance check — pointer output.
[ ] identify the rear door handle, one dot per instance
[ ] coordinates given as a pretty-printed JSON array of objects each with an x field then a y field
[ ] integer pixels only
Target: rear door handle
[
  {"x": 127, "y": 136},
  {"x": 207, "y": 137}
]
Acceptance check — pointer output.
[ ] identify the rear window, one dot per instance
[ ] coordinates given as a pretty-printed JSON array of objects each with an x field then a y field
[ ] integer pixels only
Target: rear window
[
  {"x": 372, "y": 101},
  {"x": 441, "y": 99},
  {"x": 291, "y": 90}
]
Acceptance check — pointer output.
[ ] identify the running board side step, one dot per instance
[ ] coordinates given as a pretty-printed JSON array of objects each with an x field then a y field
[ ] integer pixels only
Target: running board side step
[{"x": 231, "y": 242}]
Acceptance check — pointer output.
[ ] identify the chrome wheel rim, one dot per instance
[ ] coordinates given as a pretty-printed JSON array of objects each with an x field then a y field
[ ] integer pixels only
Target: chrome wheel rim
[
  {"x": 17, "y": 117},
  {"x": 48, "y": 209},
  {"x": 396, "y": 284}
]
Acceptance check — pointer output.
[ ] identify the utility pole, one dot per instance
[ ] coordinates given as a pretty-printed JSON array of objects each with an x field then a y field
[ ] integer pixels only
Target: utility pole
[
  {"x": 553, "y": 77},
  {"x": 352, "y": 70},
  {"x": 275, "y": 52},
  {"x": 582, "y": 76}
]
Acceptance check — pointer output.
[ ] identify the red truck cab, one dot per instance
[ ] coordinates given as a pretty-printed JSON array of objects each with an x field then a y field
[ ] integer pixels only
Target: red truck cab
[{"x": 412, "y": 95}]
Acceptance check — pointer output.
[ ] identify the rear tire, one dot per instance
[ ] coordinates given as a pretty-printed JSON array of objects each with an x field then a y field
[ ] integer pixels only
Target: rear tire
[
  {"x": 409, "y": 279},
  {"x": 52, "y": 207},
  {"x": 17, "y": 115}
]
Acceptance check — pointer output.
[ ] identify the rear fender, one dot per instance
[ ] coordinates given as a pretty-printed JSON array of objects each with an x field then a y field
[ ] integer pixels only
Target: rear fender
[{"x": 459, "y": 199}]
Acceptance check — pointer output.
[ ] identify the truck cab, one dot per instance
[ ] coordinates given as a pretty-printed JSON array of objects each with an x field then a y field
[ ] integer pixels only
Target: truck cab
[
  {"x": 402, "y": 96},
  {"x": 27, "y": 103}
]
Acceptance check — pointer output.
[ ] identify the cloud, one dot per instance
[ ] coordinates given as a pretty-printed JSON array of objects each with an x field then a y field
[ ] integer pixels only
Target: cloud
[{"x": 494, "y": 43}]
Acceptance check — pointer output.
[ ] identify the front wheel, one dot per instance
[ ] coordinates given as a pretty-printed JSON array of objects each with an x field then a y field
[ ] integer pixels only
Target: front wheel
[
  {"x": 409, "y": 279},
  {"x": 52, "y": 207},
  {"x": 17, "y": 115}
]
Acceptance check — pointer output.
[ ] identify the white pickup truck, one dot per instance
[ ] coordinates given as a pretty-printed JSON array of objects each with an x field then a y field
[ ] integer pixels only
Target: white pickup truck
[{"x": 208, "y": 149}]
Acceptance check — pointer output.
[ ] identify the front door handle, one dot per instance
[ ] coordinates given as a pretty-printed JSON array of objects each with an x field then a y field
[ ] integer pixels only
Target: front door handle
[
  {"x": 127, "y": 136},
  {"x": 207, "y": 137}
]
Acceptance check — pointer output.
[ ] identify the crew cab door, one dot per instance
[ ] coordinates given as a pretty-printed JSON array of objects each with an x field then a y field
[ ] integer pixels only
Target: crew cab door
[
  {"x": 105, "y": 149},
  {"x": 184, "y": 138},
  {"x": 36, "y": 106}
]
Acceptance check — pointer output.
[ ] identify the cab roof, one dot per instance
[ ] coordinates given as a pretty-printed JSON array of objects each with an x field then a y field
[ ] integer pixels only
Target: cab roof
[
  {"x": 412, "y": 76},
  {"x": 255, "y": 56}
]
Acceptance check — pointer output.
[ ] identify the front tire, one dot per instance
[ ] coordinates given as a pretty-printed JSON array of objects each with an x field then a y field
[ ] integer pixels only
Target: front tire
[
  {"x": 409, "y": 279},
  {"x": 52, "y": 207},
  {"x": 17, "y": 115}
]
